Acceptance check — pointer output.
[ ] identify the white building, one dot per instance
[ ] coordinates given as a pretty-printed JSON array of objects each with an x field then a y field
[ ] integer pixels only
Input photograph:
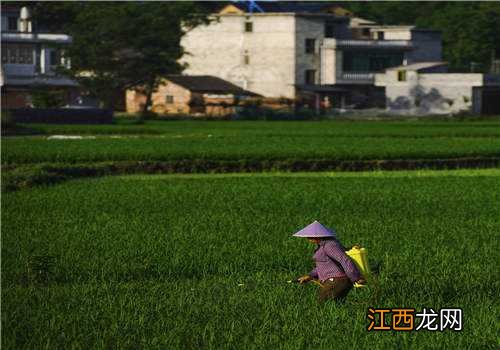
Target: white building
[
  {"x": 29, "y": 58},
  {"x": 294, "y": 49},
  {"x": 427, "y": 88}
]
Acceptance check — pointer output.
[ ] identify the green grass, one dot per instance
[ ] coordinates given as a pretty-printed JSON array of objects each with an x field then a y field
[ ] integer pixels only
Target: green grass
[
  {"x": 155, "y": 261},
  {"x": 261, "y": 141}
]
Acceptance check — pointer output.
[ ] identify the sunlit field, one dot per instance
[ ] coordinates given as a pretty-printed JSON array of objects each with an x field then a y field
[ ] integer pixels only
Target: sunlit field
[{"x": 189, "y": 261}]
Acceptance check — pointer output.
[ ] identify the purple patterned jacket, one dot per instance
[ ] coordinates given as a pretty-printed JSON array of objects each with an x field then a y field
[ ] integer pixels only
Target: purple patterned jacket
[{"x": 332, "y": 261}]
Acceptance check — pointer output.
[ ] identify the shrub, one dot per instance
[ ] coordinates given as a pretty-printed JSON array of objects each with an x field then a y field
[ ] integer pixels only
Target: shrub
[{"x": 43, "y": 97}]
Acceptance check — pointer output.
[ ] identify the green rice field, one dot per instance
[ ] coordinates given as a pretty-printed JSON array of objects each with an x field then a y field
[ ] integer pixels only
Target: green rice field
[
  {"x": 255, "y": 141},
  {"x": 201, "y": 261},
  {"x": 189, "y": 261}
]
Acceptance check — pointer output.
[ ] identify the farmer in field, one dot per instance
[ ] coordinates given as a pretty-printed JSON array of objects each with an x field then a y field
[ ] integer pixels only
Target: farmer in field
[{"x": 335, "y": 271}]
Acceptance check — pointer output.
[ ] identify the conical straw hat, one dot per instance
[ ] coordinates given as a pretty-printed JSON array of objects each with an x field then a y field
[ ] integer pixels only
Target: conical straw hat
[{"x": 315, "y": 230}]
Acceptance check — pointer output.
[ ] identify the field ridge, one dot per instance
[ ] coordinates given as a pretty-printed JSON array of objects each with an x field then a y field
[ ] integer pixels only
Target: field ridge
[{"x": 15, "y": 177}]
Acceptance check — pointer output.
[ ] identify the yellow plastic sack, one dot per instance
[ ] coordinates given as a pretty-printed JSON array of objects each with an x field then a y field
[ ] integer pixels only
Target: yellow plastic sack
[{"x": 360, "y": 257}]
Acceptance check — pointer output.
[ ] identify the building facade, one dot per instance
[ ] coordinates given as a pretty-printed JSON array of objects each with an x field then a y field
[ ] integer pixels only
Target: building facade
[
  {"x": 291, "y": 50},
  {"x": 29, "y": 59},
  {"x": 427, "y": 88}
]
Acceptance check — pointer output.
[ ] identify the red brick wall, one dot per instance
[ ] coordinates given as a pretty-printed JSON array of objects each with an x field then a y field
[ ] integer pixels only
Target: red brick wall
[
  {"x": 180, "y": 104},
  {"x": 14, "y": 98},
  {"x": 21, "y": 98},
  {"x": 181, "y": 96},
  {"x": 134, "y": 101}
]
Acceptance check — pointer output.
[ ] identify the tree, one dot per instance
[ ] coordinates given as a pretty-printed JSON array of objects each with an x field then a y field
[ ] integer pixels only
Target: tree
[
  {"x": 470, "y": 33},
  {"x": 122, "y": 45}
]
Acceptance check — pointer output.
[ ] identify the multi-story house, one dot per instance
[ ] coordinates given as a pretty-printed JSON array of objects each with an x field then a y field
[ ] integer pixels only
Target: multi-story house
[
  {"x": 288, "y": 50},
  {"x": 29, "y": 58}
]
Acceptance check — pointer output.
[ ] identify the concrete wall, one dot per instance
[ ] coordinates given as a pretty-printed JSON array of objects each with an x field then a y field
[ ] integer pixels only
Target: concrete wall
[
  {"x": 220, "y": 48},
  {"x": 432, "y": 93},
  {"x": 393, "y": 34},
  {"x": 328, "y": 62},
  {"x": 331, "y": 62},
  {"x": 308, "y": 28}
]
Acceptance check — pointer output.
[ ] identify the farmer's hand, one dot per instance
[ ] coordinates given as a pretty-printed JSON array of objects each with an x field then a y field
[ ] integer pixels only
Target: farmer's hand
[
  {"x": 304, "y": 279},
  {"x": 361, "y": 281}
]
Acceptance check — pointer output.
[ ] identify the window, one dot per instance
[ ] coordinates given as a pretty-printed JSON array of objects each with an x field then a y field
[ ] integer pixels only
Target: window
[
  {"x": 370, "y": 61},
  {"x": 329, "y": 30},
  {"x": 248, "y": 27},
  {"x": 401, "y": 75},
  {"x": 380, "y": 35},
  {"x": 310, "y": 45},
  {"x": 366, "y": 31},
  {"x": 246, "y": 59},
  {"x": 169, "y": 99},
  {"x": 12, "y": 24},
  {"x": 310, "y": 76},
  {"x": 54, "y": 58}
]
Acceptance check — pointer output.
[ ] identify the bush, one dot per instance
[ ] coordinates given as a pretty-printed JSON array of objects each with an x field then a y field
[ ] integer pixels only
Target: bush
[
  {"x": 254, "y": 112},
  {"x": 45, "y": 98},
  {"x": 265, "y": 113},
  {"x": 148, "y": 115}
]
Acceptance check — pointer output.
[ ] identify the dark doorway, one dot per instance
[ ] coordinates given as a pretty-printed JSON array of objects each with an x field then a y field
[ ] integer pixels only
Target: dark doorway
[{"x": 491, "y": 101}]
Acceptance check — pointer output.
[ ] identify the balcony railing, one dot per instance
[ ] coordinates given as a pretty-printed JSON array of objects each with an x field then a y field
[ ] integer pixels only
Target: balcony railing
[
  {"x": 359, "y": 78},
  {"x": 35, "y": 37},
  {"x": 381, "y": 44},
  {"x": 19, "y": 69}
]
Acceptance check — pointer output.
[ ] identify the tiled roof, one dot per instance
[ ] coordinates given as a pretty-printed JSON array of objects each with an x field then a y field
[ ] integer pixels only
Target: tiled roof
[{"x": 208, "y": 84}]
